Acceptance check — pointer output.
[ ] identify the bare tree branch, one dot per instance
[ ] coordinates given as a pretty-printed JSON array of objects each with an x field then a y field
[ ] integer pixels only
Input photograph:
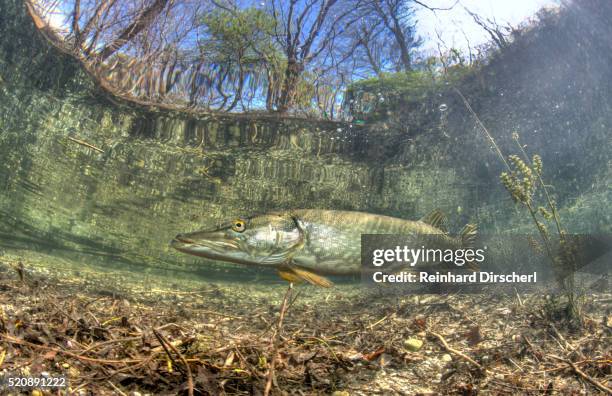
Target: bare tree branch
[{"x": 141, "y": 22}]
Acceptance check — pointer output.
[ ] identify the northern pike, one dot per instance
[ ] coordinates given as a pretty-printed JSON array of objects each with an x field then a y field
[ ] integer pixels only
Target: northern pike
[{"x": 308, "y": 244}]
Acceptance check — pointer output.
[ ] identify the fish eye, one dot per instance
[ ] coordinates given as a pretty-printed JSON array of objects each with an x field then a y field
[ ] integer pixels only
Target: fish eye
[{"x": 239, "y": 225}]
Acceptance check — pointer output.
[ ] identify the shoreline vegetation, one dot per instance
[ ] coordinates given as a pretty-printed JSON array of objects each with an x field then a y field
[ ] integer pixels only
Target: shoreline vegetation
[{"x": 288, "y": 77}]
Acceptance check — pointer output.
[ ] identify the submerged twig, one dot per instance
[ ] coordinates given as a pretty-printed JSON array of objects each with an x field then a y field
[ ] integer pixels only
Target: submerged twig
[
  {"x": 279, "y": 327},
  {"x": 82, "y": 143},
  {"x": 584, "y": 376},
  {"x": 14, "y": 340},
  {"x": 163, "y": 342},
  {"x": 116, "y": 389},
  {"x": 458, "y": 353}
]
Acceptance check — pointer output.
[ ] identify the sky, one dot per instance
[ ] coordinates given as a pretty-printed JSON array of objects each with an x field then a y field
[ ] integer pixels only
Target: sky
[
  {"x": 450, "y": 24},
  {"x": 455, "y": 24}
]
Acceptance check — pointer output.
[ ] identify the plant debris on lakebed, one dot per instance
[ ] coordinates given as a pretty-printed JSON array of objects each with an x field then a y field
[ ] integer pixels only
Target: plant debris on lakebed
[{"x": 134, "y": 335}]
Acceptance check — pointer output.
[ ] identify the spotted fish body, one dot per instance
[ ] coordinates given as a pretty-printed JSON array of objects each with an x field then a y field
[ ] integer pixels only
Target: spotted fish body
[
  {"x": 308, "y": 243},
  {"x": 333, "y": 238}
]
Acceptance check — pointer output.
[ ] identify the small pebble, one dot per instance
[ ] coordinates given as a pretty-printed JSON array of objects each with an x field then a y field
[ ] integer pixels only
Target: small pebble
[
  {"x": 447, "y": 358},
  {"x": 413, "y": 344}
]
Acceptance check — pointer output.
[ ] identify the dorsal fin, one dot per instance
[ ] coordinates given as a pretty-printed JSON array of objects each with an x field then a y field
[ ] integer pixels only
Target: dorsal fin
[
  {"x": 436, "y": 219},
  {"x": 468, "y": 235}
]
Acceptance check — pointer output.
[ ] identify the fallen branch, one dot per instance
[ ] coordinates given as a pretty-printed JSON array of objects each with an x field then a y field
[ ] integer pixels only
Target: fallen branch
[
  {"x": 105, "y": 343},
  {"x": 584, "y": 376},
  {"x": 17, "y": 341}
]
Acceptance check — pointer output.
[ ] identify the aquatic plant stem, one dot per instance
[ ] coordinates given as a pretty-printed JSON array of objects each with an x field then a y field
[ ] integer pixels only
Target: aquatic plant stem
[
  {"x": 279, "y": 326},
  {"x": 542, "y": 233},
  {"x": 566, "y": 282},
  {"x": 483, "y": 128},
  {"x": 551, "y": 205},
  {"x": 501, "y": 156}
]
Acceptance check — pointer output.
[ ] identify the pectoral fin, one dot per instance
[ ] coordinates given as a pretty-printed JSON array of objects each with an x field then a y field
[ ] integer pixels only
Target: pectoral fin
[
  {"x": 294, "y": 274},
  {"x": 289, "y": 275}
]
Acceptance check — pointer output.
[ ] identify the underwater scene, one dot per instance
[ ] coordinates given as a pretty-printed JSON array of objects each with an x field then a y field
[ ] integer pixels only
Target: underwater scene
[{"x": 305, "y": 197}]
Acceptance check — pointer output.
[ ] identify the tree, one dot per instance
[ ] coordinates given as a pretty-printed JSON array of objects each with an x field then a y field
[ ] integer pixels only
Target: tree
[
  {"x": 114, "y": 20},
  {"x": 396, "y": 16},
  {"x": 497, "y": 33},
  {"x": 140, "y": 22},
  {"x": 305, "y": 31},
  {"x": 239, "y": 43},
  {"x": 227, "y": 55}
]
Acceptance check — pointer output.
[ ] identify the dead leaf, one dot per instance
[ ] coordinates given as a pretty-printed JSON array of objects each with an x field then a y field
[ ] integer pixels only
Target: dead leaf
[
  {"x": 420, "y": 323},
  {"x": 473, "y": 336},
  {"x": 373, "y": 355}
]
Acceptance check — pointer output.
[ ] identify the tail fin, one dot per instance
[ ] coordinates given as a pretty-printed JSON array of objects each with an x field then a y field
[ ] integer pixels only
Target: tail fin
[{"x": 468, "y": 237}]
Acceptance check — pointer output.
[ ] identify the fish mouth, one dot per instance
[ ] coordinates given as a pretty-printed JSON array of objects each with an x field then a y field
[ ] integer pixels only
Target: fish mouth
[
  {"x": 205, "y": 244},
  {"x": 182, "y": 239}
]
